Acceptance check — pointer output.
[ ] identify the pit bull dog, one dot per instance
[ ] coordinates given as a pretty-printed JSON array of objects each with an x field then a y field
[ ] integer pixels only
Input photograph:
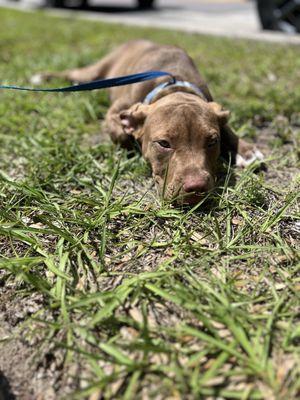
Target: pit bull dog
[{"x": 180, "y": 129}]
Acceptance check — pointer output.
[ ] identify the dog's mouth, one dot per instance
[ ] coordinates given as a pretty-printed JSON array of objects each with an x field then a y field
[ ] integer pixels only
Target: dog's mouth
[
  {"x": 188, "y": 199},
  {"x": 193, "y": 199},
  {"x": 177, "y": 196}
]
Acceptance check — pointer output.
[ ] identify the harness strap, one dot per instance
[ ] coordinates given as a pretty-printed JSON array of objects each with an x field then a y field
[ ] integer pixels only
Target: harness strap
[{"x": 99, "y": 84}]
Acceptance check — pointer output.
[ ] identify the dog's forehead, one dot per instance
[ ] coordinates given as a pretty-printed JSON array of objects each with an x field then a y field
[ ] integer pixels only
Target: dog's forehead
[{"x": 179, "y": 118}]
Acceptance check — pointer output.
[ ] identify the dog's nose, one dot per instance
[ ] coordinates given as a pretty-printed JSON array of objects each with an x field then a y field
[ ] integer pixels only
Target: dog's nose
[{"x": 196, "y": 184}]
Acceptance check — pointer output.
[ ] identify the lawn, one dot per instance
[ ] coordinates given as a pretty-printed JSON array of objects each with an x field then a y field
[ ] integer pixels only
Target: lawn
[{"x": 107, "y": 292}]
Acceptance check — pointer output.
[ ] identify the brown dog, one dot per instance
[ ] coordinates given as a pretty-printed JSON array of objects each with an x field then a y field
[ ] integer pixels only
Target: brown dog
[{"x": 182, "y": 132}]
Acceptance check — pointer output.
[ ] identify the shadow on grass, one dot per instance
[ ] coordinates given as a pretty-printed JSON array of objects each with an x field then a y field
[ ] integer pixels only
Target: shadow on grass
[{"x": 5, "y": 389}]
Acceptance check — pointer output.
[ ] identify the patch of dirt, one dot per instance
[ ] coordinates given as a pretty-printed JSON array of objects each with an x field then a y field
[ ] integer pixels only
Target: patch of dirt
[
  {"x": 30, "y": 365},
  {"x": 17, "y": 362}
]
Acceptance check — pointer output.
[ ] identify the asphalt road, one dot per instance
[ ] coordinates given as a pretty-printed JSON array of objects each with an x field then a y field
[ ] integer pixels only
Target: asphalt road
[{"x": 231, "y": 18}]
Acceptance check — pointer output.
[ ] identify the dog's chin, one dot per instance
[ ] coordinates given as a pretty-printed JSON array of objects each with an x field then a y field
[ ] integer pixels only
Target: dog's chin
[
  {"x": 190, "y": 200},
  {"x": 185, "y": 200},
  {"x": 181, "y": 199}
]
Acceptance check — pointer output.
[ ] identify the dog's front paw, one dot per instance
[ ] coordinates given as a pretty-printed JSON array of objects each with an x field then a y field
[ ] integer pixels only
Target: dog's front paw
[
  {"x": 38, "y": 79},
  {"x": 247, "y": 153},
  {"x": 245, "y": 158}
]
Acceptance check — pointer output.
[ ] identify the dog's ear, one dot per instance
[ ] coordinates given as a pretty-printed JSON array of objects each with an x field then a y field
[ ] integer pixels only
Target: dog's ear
[
  {"x": 133, "y": 119},
  {"x": 223, "y": 115}
]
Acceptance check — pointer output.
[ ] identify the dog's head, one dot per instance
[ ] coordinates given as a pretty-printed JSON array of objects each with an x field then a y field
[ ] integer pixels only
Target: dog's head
[{"x": 180, "y": 137}]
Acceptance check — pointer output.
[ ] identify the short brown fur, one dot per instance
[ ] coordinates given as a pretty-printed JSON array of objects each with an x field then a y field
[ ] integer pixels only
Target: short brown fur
[{"x": 196, "y": 130}]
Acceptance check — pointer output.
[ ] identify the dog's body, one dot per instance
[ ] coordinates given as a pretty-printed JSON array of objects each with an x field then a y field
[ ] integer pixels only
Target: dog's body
[{"x": 181, "y": 133}]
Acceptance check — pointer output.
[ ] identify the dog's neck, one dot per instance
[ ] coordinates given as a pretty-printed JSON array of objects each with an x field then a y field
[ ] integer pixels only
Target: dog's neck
[{"x": 167, "y": 88}]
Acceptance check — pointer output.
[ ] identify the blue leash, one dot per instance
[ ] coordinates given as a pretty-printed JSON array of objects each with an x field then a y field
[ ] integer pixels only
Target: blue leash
[{"x": 99, "y": 84}]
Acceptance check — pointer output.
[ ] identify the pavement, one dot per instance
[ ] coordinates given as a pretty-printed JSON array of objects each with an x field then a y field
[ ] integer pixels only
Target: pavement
[{"x": 230, "y": 18}]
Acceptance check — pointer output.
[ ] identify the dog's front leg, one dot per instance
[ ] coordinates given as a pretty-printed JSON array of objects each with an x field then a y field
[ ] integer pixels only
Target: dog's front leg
[
  {"x": 242, "y": 152},
  {"x": 113, "y": 126}
]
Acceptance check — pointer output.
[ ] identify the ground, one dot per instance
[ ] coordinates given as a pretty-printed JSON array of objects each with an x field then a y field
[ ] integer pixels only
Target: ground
[{"x": 106, "y": 291}]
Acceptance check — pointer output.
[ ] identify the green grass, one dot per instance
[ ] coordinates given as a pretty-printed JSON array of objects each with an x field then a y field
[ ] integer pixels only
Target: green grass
[{"x": 114, "y": 294}]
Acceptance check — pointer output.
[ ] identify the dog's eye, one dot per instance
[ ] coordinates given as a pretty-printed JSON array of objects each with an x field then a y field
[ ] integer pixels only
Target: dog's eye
[
  {"x": 164, "y": 143},
  {"x": 213, "y": 142}
]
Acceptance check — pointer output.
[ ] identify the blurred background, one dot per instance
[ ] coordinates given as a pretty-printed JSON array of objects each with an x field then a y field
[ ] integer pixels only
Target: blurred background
[{"x": 241, "y": 18}]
